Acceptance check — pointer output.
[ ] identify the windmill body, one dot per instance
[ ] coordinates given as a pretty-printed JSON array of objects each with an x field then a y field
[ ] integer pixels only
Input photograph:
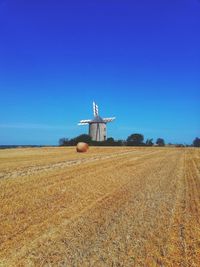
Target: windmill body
[{"x": 97, "y": 126}]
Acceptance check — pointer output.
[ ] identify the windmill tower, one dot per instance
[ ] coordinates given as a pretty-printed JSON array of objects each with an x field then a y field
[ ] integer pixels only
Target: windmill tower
[{"x": 97, "y": 126}]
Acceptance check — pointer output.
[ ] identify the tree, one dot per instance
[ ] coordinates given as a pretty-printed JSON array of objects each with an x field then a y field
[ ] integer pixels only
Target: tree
[
  {"x": 149, "y": 142},
  {"x": 135, "y": 140},
  {"x": 196, "y": 142},
  {"x": 120, "y": 142},
  {"x": 110, "y": 141},
  {"x": 82, "y": 138},
  {"x": 160, "y": 142},
  {"x": 63, "y": 141}
]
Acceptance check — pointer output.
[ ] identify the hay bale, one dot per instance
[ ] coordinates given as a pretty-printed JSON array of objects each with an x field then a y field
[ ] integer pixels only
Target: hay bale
[{"x": 82, "y": 147}]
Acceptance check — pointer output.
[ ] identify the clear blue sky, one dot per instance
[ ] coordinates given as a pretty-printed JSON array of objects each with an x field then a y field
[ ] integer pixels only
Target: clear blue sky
[{"x": 140, "y": 61}]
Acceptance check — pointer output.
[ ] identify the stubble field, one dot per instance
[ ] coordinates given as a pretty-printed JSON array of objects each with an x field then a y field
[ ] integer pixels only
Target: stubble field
[{"x": 108, "y": 207}]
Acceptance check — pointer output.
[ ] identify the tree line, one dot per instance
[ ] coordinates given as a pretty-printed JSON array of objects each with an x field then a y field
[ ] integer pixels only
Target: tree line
[
  {"x": 135, "y": 139},
  {"x": 132, "y": 140}
]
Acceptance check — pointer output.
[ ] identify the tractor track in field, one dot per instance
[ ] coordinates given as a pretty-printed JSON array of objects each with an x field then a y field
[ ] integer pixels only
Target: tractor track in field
[
  {"x": 31, "y": 170},
  {"x": 136, "y": 163},
  {"x": 150, "y": 161},
  {"x": 137, "y": 207}
]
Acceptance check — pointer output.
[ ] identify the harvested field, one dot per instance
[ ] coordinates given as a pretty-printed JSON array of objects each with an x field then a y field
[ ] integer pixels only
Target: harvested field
[{"x": 113, "y": 206}]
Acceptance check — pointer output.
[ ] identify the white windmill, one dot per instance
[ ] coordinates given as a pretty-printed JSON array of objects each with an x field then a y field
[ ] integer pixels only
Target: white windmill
[{"x": 97, "y": 126}]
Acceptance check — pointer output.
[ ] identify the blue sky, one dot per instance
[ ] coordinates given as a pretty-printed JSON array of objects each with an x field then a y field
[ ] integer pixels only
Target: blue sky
[{"x": 140, "y": 61}]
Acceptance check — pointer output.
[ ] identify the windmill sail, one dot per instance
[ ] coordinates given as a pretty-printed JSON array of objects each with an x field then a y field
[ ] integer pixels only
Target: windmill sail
[
  {"x": 108, "y": 119},
  {"x": 84, "y": 122},
  {"x": 95, "y": 109}
]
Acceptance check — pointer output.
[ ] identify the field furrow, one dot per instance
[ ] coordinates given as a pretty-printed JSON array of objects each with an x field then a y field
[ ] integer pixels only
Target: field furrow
[{"x": 111, "y": 207}]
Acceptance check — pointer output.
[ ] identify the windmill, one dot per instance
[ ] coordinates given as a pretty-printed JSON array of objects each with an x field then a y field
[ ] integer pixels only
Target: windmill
[{"x": 97, "y": 126}]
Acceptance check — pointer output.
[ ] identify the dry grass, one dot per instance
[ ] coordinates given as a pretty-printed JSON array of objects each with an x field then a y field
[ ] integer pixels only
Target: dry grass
[{"x": 108, "y": 207}]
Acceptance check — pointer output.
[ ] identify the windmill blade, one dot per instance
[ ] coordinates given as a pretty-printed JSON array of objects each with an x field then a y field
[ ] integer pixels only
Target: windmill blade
[
  {"x": 81, "y": 123},
  {"x": 109, "y": 119},
  {"x": 95, "y": 109},
  {"x": 85, "y": 121}
]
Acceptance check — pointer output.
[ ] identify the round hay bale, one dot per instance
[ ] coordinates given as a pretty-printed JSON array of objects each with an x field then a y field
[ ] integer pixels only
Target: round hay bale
[{"x": 82, "y": 147}]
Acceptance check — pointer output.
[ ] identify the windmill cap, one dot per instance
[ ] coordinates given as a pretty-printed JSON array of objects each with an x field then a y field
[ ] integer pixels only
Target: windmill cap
[{"x": 97, "y": 119}]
